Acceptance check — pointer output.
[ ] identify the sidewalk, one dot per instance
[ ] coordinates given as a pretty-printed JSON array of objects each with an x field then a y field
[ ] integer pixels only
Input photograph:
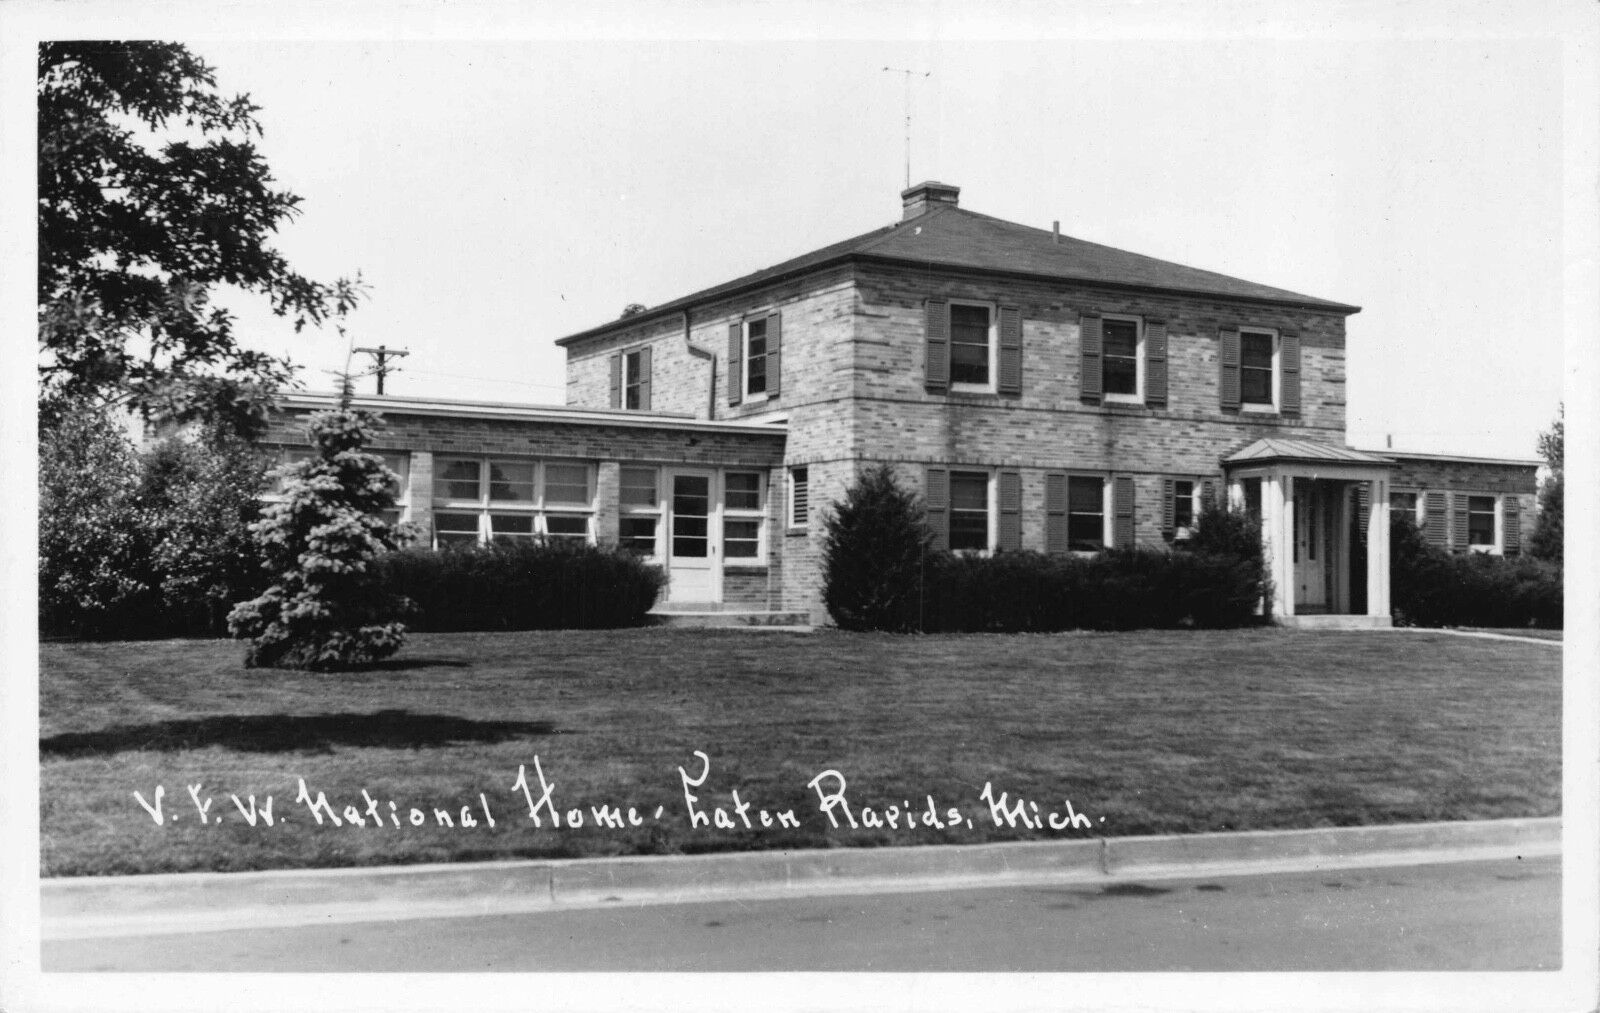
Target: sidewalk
[{"x": 94, "y": 907}]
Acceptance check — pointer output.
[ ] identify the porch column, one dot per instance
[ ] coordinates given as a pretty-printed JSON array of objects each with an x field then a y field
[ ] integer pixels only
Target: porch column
[
  {"x": 419, "y": 488},
  {"x": 607, "y": 492},
  {"x": 1277, "y": 530},
  {"x": 1378, "y": 548}
]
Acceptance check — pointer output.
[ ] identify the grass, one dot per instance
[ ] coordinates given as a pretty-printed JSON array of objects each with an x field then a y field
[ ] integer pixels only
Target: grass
[{"x": 1148, "y": 732}]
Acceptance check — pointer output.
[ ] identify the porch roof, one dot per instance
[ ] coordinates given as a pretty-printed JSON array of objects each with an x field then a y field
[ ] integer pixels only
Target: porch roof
[{"x": 1272, "y": 449}]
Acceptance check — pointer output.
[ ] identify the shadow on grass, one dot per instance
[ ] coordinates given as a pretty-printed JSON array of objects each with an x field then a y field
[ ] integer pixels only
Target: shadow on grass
[{"x": 286, "y": 733}]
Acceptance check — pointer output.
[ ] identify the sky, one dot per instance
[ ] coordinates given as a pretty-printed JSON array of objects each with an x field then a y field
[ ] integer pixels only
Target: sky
[{"x": 496, "y": 196}]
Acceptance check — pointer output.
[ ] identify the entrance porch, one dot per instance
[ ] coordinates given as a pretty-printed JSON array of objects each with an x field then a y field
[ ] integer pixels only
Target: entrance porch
[{"x": 1308, "y": 495}]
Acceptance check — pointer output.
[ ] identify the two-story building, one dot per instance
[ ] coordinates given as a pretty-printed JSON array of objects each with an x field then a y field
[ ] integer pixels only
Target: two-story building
[{"x": 1040, "y": 392}]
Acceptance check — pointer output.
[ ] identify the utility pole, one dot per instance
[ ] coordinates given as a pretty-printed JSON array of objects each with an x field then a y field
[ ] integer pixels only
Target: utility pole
[
  {"x": 909, "y": 74},
  {"x": 382, "y": 354}
]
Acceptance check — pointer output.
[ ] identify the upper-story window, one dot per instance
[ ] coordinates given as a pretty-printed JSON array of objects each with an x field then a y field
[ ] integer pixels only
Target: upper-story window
[
  {"x": 972, "y": 346},
  {"x": 1257, "y": 369},
  {"x": 630, "y": 379},
  {"x": 754, "y": 359},
  {"x": 1122, "y": 358}
]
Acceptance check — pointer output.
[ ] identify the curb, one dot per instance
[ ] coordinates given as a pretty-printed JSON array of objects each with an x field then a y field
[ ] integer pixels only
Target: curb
[{"x": 97, "y": 907}]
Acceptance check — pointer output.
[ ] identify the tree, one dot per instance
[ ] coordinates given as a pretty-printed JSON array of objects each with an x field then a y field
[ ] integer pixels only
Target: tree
[
  {"x": 326, "y": 610},
  {"x": 1548, "y": 538},
  {"x": 874, "y": 554},
  {"x": 151, "y": 196},
  {"x": 633, "y": 309}
]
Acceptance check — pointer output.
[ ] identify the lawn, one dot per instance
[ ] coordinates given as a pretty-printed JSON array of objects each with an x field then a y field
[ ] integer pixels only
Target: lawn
[{"x": 1147, "y": 732}]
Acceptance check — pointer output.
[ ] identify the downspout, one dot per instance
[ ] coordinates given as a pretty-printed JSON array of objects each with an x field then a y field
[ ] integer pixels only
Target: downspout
[{"x": 711, "y": 387}]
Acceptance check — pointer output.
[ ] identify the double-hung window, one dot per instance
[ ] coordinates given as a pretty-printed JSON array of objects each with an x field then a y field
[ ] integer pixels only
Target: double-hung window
[
  {"x": 755, "y": 358},
  {"x": 1122, "y": 358},
  {"x": 634, "y": 379},
  {"x": 1407, "y": 502},
  {"x": 1185, "y": 508},
  {"x": 1258, "y": 355},
  {"x": 639, "y": 502},
  {"x": 509, "y": 500},
  {"x": 742, "y": 516},
  {"x": 969, "y": 511},
  {"x": 1086, "y": 513},
  {"x": 1481, "y": 523},
  {"x": 972, "y": 347}
]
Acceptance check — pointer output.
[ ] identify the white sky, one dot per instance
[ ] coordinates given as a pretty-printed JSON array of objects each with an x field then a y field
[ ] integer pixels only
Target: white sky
[{"x": 497, "y": 196}]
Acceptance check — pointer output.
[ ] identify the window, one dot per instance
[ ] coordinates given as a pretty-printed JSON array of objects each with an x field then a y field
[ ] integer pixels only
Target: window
[
  {"x": 1257, "y": 352},
  {"x": 1407, "y": 502},
  {"x": 971, "y": 346},
  {"x": 506, "y": 500},
  {"x": 799, "y": 497},
  {"x": 640, "y": 505},
  {"x": 1185, "y": 508},
  {"x": 969, "y": 511},
  {"x": 1086, "y": 513},
  {"x": 1122, "y": 359},
  {"x": 755, "y": 358},
  {"x": 1481, "y": 523},
  {"x": 633, "y": 380},
  {"x": 742, "y": 516}
]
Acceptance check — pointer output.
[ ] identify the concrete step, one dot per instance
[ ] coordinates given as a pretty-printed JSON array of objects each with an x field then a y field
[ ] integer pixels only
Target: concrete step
[
  {"x": 691, "y": 617},
  {"x": 1325, "y": 621}
]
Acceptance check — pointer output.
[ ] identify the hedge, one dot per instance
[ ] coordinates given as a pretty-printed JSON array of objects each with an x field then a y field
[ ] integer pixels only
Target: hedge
[
  {"x": 522, "y": 586},
  {"x": 1431, "y": 587}
]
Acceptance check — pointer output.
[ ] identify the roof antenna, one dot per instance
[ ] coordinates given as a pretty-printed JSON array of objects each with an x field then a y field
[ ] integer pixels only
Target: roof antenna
[{"x": 909, "y": 74}]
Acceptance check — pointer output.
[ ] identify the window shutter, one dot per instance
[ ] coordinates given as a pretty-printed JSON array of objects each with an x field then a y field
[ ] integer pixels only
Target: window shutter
[
  {"x": 1434, "y": 519},
  {"x": 1155, "y": 363},
  {"x": 1089, "y": 375},
  {"x": 616, "y": 381},
  {"x": 1458, "y": 530},
  {"x": 937, "y": 333},
  {"x": 1009, "y": 537},
  {"x": 1010, "y": 350},
  {"x": 1512, "y": 542},
  {"x": 1122, "y": 508},
  {"x": 1169, "y": 508},
  {"x": 1230, "y": 368},
  {"x": 799, "y": 497},
  {"x": 936, "y": 501},
  {"x": 1363, "y": 506},
  {"x": 774, "y": 358},
  {"x": 1206, "y": 495},
  {"x": 1289, "y": 363},
  {"x": 735, "y": 362},
  {"x": 644, "y": 378},
  {"x": 1055, "y": 513}
]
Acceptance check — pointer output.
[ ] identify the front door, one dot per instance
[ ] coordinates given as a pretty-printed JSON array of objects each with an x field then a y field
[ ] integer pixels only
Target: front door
[
  {"x": 692, "y": 569},
  {"x": 1311, "y": 546}
]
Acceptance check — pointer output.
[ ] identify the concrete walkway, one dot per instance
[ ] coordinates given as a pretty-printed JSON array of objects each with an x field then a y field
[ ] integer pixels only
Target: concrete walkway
[{"x": 98, "y": 907}]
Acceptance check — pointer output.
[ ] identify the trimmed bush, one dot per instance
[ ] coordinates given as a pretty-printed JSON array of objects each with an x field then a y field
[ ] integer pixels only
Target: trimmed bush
[
  {"x": 523, "y": 586},
  {"x": 1432, "y": 587},
  {"x": 875, "y": 555}
]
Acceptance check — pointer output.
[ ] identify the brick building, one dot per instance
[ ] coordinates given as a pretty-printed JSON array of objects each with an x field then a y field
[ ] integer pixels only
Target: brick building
[{"x": 1040, "y": 392}]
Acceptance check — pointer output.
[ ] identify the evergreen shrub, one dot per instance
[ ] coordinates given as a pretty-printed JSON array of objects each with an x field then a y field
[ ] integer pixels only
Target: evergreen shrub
[
  {"x": 532, "y": 585},
  {"x": 1429, "y": 586}
]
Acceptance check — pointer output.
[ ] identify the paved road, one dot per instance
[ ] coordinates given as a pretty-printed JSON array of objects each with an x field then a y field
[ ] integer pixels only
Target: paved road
[{"x": 1502, "y": 915}]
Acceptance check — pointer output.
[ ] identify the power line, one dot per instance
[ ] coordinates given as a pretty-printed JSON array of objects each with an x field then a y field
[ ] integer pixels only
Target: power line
[{"x": 382, "y": 354}]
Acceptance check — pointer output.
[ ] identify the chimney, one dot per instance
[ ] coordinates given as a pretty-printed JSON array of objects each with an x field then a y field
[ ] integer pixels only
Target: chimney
[
  {"x": 1055, "y": 231},
  {"x": 925, "y": 197}
]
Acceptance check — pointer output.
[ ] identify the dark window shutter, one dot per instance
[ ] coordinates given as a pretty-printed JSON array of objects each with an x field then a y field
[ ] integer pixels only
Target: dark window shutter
[
  {"x": 1169, "y": 508},
  {"x": 1155, "y": 363},
  {"x": 1009, "y": 537},
  {"x": 774, "y": 356},
  {"x": 644, "y": 378},
  {"x": 735, "y": 363},
  {"x": 1010, "y": 350},
  {"x": 1122, "y": 508},
  {"x": 1055, "y": 513},
  {"x": 936, "y": 501},
  {"x": 937, "y": 379},
  {"x": 1363, "y": 505},
  {"x": 616, "y": 381},
  {"x": 1289, "y": 363},
  {"x": 1205, "y": 495},
  {"x": 1090, "y": 382},
  {"x": 1434, "y": 520},
  {"x": 1512, "y": 539},
  {"x": 1229, "y": 340},
  {"x": 1458, "y": 530}
]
